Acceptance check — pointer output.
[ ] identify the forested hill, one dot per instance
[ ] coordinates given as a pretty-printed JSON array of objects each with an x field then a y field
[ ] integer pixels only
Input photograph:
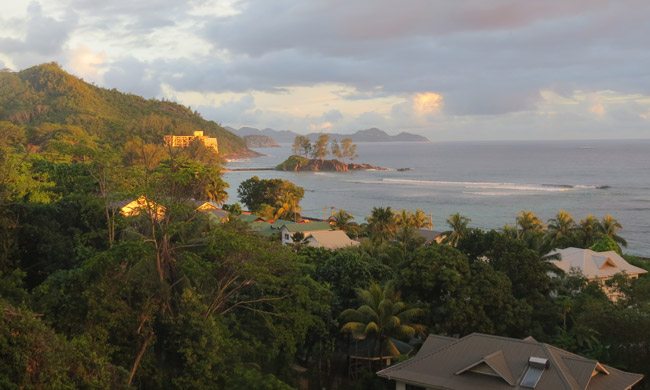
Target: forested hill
[{"x": 45, "y": 95}]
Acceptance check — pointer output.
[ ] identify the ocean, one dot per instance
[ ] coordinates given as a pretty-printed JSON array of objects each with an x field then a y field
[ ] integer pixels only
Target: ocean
[{"x": 489, "y": 182}]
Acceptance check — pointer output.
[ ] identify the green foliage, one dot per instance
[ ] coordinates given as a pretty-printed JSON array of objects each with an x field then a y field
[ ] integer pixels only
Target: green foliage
[
  {"x": 302, "y": 146},
  {"x": 336, "y": 150},
  {"x": 277, "y": 198},
  {"x": 349, "y": 150},
  {"x": 319, "y": 149},
  {"x": 382, "y": 315},
  {"x": 461, "y": 298},
  {"x": 458, "y": 225},
  {"x": 234, "y": 209},
  {"x": 180, "y": 179},
  {"x": 32, "y": 356},
  {"x": 382, "y": 225},
  {"x": 606, "y": 243},
  {"x": 292, "y": 163},
  {"x": 346, "y": 271}
]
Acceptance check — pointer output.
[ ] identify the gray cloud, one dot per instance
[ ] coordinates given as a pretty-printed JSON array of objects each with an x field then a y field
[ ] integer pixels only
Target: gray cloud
[
  {"x": 133, "y": 76},
  {"x": 233, "y": 111},
  {"x": 332, "y": 116},
  {"x": 44, "y": 37},
  {"x": 487, "y": 58}
]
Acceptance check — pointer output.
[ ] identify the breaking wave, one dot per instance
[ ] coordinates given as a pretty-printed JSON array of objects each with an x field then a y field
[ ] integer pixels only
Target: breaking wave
[{"x": 494, "y": 186}]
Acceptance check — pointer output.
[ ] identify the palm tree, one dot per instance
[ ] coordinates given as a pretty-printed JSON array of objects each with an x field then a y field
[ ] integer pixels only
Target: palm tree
[
  {"x": 381, "y": 224},
  {"x": 560, "y": 227},
  {"x": 405, "y": 221},
  {"x": 509, "y": 230},
  {"x": 342, "y": 220},
  {"x": 529, "y": 223},
  {"x": 458, "y": 225},
  {"x": 382, "y": 315},
  {"x": 588, "y": 229},
  {"x": 608, "y": 227},
  {"x": 421, "y": 220}
]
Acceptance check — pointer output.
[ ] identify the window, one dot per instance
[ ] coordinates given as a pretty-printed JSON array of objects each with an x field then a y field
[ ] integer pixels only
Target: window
[{"x": 286, "y": 236}]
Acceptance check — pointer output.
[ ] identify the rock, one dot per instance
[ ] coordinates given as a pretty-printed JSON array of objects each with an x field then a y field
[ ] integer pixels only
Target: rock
[{"x": 297, "y": 163}]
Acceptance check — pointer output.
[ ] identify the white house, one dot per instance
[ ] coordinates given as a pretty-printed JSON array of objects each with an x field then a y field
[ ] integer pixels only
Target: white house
[{"x": 288, "y": 230}]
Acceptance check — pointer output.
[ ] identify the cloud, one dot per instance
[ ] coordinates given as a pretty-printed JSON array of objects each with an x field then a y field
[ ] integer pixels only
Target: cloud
[
  {"x": 234, "y": 111},
  {"x": 332, "y": 116},
  {"x": 427, "y": 102},
  {"x": 85, "y": 63},
  {"x": 597, "y": 109},
  {"x": 323, "y": 127},
  {"x": 41, "y": 38},
  {"x": 133, "y": 76}
]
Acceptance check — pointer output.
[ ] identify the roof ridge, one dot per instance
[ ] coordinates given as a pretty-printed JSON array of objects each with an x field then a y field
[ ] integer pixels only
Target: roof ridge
[
  {"x": 474, "y": 334},
  {"x": 418, "y": 358},
  {"x": 571, "y": 354},
  {"x": 562, "y": 368}
]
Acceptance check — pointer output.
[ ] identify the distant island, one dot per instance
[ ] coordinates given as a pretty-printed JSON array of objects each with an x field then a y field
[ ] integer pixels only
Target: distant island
[
  {"x": 260, "y": 141},
  {"x": 368, "y": 135},
  {"x": 298, "y": 163},
  {"x": 321, "y": 148}
]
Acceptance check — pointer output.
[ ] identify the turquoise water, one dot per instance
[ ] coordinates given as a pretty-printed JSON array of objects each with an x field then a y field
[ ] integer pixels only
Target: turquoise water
[{"x": 489, "y": 182}]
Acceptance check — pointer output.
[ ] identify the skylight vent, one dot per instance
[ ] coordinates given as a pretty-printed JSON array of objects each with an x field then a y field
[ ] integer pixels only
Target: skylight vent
[{"x": 536, "y": 367}]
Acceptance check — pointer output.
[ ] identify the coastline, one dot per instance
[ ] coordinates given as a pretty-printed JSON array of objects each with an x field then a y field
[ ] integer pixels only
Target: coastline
[{"x": 489, "y": 182}]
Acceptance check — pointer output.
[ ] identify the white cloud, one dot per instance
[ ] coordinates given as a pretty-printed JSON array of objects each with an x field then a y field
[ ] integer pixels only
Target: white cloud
[{"x": 85, "y": 63}]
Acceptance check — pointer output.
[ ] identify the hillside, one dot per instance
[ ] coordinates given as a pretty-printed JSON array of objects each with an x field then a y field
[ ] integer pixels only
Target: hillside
[
  {"x": 368, "y": 135},
  {"x": 46, "y": 94}
]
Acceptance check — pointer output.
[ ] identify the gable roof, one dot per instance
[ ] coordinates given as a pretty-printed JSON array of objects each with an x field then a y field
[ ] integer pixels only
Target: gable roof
[
  {"x": 592, "y": 264},
  {"x": 331, "y": 239},
  {"x": 306, "y": 227},
  {"x": 480, "y": 361},
  {"x": 496, "y": 365}
]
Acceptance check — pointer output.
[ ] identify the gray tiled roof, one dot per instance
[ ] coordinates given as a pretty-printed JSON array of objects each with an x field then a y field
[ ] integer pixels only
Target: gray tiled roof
[{"x": 479, "y": 361}]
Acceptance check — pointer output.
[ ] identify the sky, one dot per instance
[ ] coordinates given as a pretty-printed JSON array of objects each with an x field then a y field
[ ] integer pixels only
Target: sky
[{"x": 448, "y": 70}]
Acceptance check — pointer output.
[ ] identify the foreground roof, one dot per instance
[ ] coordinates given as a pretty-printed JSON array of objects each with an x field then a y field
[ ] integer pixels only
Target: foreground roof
[
  {"x": 592, "y": 264},
  {"x": 480, "y": 361}
]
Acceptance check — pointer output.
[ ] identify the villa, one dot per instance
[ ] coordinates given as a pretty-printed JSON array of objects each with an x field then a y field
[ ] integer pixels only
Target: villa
[{"x": 596, "y": 266}]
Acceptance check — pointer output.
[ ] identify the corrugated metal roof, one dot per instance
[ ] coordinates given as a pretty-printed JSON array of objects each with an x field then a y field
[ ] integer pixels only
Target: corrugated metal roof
[
  {"x": 330, "y": 239},
  {"x": 439, "y": 368},
  {"x": 594, "y": 264},
  {"x": 306, "y": 227},
  {"x": 435, "y": 342}
]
